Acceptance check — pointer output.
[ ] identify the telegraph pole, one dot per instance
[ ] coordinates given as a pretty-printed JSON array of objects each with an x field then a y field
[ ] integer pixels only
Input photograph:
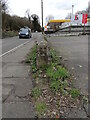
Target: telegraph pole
[
  {"x": 84, "y": 23},
  {"x": 42, "y": 14}
]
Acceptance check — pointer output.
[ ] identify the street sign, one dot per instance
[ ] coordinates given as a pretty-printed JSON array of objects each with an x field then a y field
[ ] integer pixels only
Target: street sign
[
  {"x": 76, "y": 19},
  {"x": 84, "y": 18}
]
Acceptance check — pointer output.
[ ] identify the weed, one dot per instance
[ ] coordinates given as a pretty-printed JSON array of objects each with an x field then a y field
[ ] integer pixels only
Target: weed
[
  {"x": 53, "y": 55},
  {"x": 63, "y": 85},
  {"x": 55, "y": 72},
  {"x": 74, "y": 93},
  {"x": 45, "y": 38},
  {"x": 34, "y": 75},
  {"x": 44, "y": 67},
  {"x": 58, "y": 85},
  {"x": 55, "y": 85},
  {"x": 85, "y": 99},
  {"x": 41, "y": 108},
  {"x": 36, "y": 92},
  {"x": 31, "y": 58},
  {"x": 64, "y": 92}
]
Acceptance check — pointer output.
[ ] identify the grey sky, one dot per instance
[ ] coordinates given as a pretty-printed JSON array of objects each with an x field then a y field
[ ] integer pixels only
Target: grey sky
[{"x": 58, "y": 8}]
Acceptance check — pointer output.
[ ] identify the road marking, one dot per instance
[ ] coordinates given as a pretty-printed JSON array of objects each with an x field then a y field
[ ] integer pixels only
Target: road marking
[{"x": 13, "y": 49}]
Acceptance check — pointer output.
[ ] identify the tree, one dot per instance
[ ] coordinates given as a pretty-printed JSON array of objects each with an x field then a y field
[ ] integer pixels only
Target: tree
[
  {"x": 68, "y": 16},
  {"x": 35, "y": 22},
  {"x": 88, "y": 9},
  {"x": 27, "y": 13},
  {"x": 48, "y": 18},
  {"x": 4, "y": 4}
]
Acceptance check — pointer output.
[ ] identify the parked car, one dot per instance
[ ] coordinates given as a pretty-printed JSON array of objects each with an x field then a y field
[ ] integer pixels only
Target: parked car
[{"x": 25, "y": 33}]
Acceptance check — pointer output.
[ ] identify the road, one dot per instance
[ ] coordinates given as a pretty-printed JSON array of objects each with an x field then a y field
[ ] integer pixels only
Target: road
[
  {"x": 74, "y": 50},
  {"x": 10, "y": 43}
]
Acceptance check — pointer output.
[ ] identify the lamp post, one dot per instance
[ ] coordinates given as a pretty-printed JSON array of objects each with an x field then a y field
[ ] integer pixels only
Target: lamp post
[
  {"x": 72, "y": 9},
  {"x": 42, "y": 14}
]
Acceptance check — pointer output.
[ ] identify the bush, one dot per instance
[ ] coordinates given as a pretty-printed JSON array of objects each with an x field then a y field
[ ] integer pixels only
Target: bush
[{"x": 9, "y": 34}]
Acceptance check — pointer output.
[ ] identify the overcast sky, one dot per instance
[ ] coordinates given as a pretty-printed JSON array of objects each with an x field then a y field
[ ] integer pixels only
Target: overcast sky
[{"x": 58, "y": 8}]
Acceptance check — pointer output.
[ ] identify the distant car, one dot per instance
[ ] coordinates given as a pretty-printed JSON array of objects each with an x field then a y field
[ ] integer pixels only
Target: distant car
[{"x": 25, "y": 33}]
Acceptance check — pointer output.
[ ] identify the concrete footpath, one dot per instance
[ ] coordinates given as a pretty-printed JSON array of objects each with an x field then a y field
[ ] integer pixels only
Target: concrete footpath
[{"x": 17, "y": 84}]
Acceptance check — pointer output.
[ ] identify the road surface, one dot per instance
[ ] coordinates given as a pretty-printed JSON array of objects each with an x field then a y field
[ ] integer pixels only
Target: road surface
[
  {"x": 10, "y": 43},
  {"x": 74, "y": 50}
]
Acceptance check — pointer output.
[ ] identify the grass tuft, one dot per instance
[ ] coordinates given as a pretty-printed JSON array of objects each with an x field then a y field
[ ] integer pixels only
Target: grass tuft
[
  {"x": 55, "y": 72},
  {"x": 36, "y": 92},
  {"x": 41, "y": 108},
  {"x": 31, "y": 58},
  {"x": 74, "y": 93}
]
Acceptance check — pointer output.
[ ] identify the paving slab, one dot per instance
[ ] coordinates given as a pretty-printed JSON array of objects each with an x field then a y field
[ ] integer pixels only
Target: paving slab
[
  {"x": 6, "y": 91},
  {"x": 75, "y": 113},
  {"x": 18, "y": 110},
  {"x": 16, "y": 71},
  {"x": 23, "y": 87}
]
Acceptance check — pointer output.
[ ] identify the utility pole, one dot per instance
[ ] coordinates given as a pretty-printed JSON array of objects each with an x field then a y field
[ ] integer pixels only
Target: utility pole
[
  {"x": 42, "y": 14},
  {"x": 84, "y": 23}
]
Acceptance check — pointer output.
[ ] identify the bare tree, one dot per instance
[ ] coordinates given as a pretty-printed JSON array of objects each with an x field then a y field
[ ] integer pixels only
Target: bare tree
[
  {"x": 48, "y": 18},
  {"x": 4, "y": 5},
  {"x": 36, "y": 22},
  {"x": 68, "y": 16},
  {"x": 28, "y": 14},
  {"x": 88, "y": 9}
]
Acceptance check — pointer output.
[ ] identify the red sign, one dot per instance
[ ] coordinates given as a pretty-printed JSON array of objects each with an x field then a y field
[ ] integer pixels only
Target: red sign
[
  {"x": 76, "y": 17},
  {"x": 84, "y": 18}
]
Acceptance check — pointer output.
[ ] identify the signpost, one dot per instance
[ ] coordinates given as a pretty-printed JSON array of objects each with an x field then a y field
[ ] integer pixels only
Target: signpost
[
  {"x": 42, "y": 14},
  {"x": 76, "y": 19},
  {"x": 84, "y": 21}
]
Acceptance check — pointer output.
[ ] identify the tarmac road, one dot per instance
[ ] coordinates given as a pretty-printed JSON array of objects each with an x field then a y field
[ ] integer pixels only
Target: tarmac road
[
  {"x": 74, "y": 50},
  {"x": 10, "y": 43}
]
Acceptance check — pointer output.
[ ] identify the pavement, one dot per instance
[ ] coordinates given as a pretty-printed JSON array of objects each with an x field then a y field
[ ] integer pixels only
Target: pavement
[
  {"x": 17, "y": 83},
  {"x": 74, "y": 52},
  {"x": 65, "y": 34}
]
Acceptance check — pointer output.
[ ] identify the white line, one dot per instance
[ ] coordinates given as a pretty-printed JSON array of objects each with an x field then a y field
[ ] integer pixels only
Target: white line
[{"x": 13, "y": 49}]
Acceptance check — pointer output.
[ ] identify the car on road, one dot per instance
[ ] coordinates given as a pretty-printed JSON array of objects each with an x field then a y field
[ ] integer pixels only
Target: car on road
[{"x": 25, "y": 33}]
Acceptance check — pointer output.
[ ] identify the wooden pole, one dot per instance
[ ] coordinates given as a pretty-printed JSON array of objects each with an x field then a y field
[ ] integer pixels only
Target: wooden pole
[
  {"x": 84, "y": 23},
  {"x": 42, "y": 14}
]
